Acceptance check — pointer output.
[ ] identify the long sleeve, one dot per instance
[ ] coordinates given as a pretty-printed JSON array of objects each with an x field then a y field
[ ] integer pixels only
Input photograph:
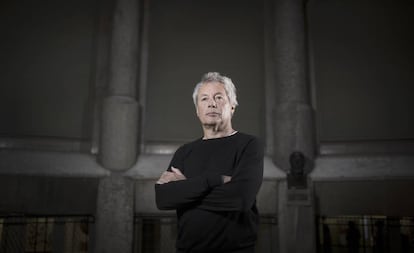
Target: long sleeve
[
  {"x": 178, "y": 194},
  {"x": 204, "y": 163},
  {"x": 240, "y": 193}
]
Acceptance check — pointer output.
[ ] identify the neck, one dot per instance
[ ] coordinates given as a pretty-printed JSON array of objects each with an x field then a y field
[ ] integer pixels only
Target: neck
[{"x": 213, "y": 132}]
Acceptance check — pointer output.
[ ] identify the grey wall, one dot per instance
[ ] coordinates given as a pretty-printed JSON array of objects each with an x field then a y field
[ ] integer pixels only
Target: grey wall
[
  {"x": 46, "y": 56},
  {"x": 391, "y": 198},
  {"x": 189, "y": 38},
  {"x": 362, "y": 63}
]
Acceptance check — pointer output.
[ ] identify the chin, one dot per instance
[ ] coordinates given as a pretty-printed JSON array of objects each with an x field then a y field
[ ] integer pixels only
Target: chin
[{"x": 210, "y": 123}]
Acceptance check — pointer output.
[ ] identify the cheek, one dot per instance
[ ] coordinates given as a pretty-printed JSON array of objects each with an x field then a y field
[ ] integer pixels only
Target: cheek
[
  {"x": 229, "y": 111},
  {"x": 199, "y": 111}
]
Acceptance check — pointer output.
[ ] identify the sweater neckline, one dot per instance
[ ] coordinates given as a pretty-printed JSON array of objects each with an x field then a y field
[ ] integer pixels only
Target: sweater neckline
[{"x": 221, "y": 138}]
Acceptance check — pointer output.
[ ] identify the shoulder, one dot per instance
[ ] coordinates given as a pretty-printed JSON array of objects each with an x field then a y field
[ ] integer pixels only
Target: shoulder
[
  {"x": 187, "y": 147},
  {"x": 248, "y": 141},
  {"x": 247, "y": 138}
]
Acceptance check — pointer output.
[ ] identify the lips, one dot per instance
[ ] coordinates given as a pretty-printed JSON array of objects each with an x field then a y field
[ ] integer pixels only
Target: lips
[{"x": 213, "y": 114}]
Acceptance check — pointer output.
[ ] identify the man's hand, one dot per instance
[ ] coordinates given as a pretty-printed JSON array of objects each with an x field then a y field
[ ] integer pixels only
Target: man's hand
[
  {"x": 226, "y": 179},
  {"x": 174, "y": 175}
]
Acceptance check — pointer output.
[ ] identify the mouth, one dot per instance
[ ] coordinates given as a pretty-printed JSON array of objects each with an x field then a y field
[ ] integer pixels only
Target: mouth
[{"x": 213, "y": 114}]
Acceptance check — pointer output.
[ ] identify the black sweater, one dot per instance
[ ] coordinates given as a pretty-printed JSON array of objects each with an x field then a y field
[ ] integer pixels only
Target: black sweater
[{"x": 212, "y": 216}]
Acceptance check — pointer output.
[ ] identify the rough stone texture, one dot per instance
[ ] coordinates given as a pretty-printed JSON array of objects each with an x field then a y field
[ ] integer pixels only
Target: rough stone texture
[{"x": 115, "y": 215}]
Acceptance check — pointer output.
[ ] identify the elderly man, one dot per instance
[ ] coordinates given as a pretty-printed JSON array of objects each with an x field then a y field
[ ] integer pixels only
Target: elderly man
[{"x": 213, "y": 181}]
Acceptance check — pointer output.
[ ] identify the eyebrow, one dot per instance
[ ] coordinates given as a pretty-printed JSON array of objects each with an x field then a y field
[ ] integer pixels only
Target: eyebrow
[{"x": 215, "y": 94}]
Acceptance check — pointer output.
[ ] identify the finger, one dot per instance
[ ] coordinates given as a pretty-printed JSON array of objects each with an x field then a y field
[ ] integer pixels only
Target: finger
[
  {"x": 166, "y": 177},
  {"x": 161, "y": 180},
  {"x": 226, "y": 179},
  {"x": 178, "y": 174},
  {"x": 177, "y": 171}
]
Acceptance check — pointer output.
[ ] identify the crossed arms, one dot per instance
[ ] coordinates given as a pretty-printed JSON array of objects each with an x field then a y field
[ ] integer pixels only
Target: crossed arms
[{"x": 236, "y": 192}]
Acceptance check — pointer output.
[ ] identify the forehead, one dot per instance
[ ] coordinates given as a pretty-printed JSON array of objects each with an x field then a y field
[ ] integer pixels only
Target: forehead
[{"x": 211, "y": 88}]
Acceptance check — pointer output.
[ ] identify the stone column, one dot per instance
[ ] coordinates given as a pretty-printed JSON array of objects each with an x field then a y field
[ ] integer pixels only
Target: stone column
[
  {"x": 119, "y": 134},
  {"x": 118, "y": 142},
  {"x": 293, "y": 113},
  {"x": 293, "y": 125},
  {"x": 296, "y": 220},
  {"x": 115, "y": 215}
]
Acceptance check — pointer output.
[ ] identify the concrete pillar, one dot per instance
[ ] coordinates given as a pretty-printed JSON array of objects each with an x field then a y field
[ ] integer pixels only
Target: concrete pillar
[
  {"x": 124, "y": 49},
  {"x": 115, "y": 215},
  {"x": 293, "y": 113},
  {"x": 120, "y": 114},
  {"x": 296, "y": 220},
  {"x": 119, "y": 134},
  {"x": 293, "y": 125}
]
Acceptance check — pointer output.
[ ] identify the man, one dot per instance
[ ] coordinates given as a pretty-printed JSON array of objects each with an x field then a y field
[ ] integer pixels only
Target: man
[{"x": 213, "y": 181}]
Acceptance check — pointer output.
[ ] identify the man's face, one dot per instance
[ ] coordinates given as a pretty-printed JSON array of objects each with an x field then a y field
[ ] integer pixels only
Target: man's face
[{"x": 213, "y": 105}]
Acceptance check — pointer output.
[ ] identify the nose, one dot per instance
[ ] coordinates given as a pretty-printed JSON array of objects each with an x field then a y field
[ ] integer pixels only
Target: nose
[{"x": 212, "y": 103}]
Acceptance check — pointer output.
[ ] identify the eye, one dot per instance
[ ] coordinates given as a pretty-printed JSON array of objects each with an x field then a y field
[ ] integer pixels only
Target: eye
[
  {"x": 219, "y": 97},
  {"x": 203, "y": 99}
]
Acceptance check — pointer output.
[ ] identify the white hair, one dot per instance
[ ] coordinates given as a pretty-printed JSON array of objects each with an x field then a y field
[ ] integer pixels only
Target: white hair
[{"x": 216, "y": 77}]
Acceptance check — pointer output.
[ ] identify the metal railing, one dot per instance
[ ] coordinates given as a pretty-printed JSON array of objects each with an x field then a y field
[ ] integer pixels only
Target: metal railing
[
  {"x": 157, "y": 233},
  {"x": 365, "y": 234},
  {"x": 45, "y": 233}
]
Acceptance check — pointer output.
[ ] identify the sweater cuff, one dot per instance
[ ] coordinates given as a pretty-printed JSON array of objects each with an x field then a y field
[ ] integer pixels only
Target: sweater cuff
[{"x": 214, "y": 180}]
